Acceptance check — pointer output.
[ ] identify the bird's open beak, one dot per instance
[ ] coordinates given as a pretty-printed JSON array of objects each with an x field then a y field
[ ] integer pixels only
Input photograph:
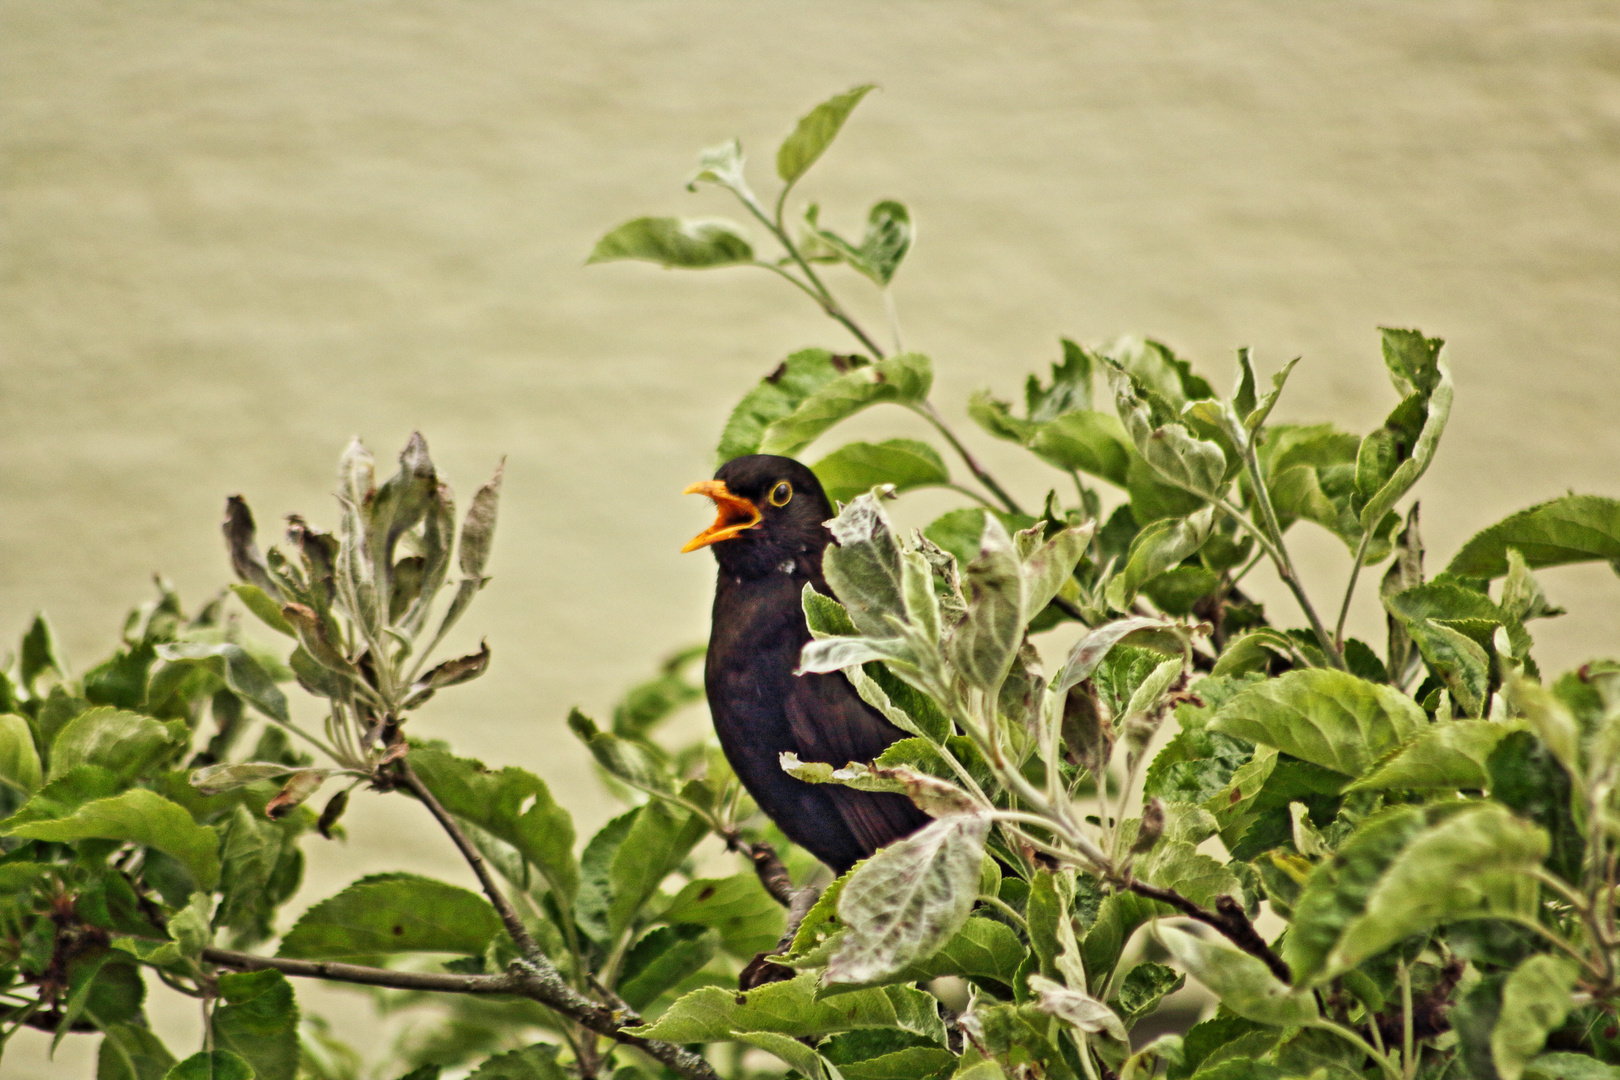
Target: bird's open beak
[{"x": 736, "y": 514}]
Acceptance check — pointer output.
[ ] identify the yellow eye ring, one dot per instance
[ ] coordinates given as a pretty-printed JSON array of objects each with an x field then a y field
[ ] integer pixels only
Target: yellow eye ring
[{"x": 781, "y": 493}]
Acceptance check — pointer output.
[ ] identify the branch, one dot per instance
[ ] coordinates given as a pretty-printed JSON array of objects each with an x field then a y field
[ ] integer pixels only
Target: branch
[
  {"x": 542, "y": 984},
  {"x": 1227, "y": 918},
  {"x": 772, "y": 873}
]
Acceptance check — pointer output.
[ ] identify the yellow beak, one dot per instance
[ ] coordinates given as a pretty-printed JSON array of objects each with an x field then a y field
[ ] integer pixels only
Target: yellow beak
[{"x": 736, "y": 514}]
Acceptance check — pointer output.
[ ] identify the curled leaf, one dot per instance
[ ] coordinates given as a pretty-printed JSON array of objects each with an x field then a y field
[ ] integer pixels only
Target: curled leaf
[
  {"x": 227, "y": 776},
  {"x": 246, "y": 560},
  {"x": 1079, "y": 1010},
  {"x": 299, "y": 786}
]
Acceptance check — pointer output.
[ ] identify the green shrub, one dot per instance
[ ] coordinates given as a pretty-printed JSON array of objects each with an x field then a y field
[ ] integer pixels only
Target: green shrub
[{"x": 1430, "y": 819}]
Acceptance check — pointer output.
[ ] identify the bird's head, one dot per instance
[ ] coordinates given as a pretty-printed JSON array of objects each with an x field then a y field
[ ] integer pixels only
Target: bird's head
[{"x": 772, "y": 511}]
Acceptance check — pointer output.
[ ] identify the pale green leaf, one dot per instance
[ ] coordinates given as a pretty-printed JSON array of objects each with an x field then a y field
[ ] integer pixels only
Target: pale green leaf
[
  {"x": 125, "y": 743},
  {"x": 1447, "y": 755},
  {"x": 140, "y": 817},
  {"x": 1574, "y": 528},
  {"x": 909, "y": 899},
  {"x": 1157, "y": 548},
  {"x": 815, "y": 132},
  {"x": 1329, "y": 718},
  {"x": 984, "y": 645},
  {"x": 1535, "y": 1003},
  {"x": 713, "y": 1013},
  {"x": 1404, "y": 872},
  {"x": 904, "y": 379},
  {"x": 1242, "y": 982},
  {"x": 688, "y": 243},
  {"x": 1077, "y": 1009},
  {"x": 856, "y": 468},
  {"x": 1087, "y": 441},
  {"x": 19, "y": 759}
]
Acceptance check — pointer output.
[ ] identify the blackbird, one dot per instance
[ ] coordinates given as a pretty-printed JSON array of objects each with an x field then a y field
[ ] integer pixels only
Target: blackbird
[{"x": 768, "y": 540}]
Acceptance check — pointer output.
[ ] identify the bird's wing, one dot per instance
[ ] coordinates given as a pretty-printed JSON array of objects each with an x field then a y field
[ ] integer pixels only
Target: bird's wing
[{"x": 831, "y": 723}]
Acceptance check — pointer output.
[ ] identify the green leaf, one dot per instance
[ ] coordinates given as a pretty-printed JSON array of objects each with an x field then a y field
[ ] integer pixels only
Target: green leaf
[
  {"x": 1329, "y": 718},
  {"x": 1117, "y": 919},
  {"x": 1405, "y": 871},
  {"x": 537, "y": 1062},
  {"x": 1448, "y": 755},
  {"x": 1462, "y": 664},
  {"x": 805, "y": 1062},
  {"x": 1525, "y": 777},
  {"x": 815, "y": 132},
  {"x": 909, "y": 899},
  {"x": 1157, "y": 548},
  {"x": 1175, "y": 453},
  {"x": 647, "y": 703},
  {"x": 887, "y": 239},
  {"x": 855, "y": 468},
  {"x": 1243, "y": 983},
  {"x": 1143, "y": 987},
  {"x": 121, "y": 680},
  {"x": 982, "y": 949},
  {"x": 252, "y": 850},
  {"x": 258, "y": 1019},
  {"x": 1535, "y": 1003},
  {"x": 19, "y": 758},
  {"x": 748, "y": 919},
  {"x": 138, "y": 816},
  {"x": 637, "y": 763},
  {"x": 211, "y": 1065},
  {"x": 1393, "y": 458},
  {"x": 131, "y": 1052},
  {"x": 125, "y": 743},
  {"x": 241, "y": 672},
  {"x": 512, "y": 805},
  {"x": 904, "y": 379},
  {"x": 268, "y": 611},
  {"x": 687, "y": 243},
  {"x": 657, "y": 843},
  {"x": 662, "y": 958},
  {"x": 1092, "y": 649},
  {"x": 1560, "y": 1065},
  {"x": 712, "y": 1013},
  {"x": 1090, "y": 442},
  {"x": 911, "y": 1063},
  {"x": 390, "y": 913},
  {"x": 1575, "y": 528},
  {"x": 37, "y": 655},
  {"x": 777, "y": 395}
]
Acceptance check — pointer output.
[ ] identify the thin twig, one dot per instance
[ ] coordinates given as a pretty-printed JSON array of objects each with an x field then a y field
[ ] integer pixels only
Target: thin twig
[
  {"x": 407, "y": 778},
  {"x": 544, "y": 985},
  {"x": 1227, "y": 918},
  {"x": 927, "y": 411},
  {"x": 1350, "y": 588}
]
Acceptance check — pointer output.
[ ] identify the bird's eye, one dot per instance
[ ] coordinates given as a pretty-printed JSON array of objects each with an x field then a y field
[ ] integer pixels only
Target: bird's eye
[{"x": 781, "y": 493}]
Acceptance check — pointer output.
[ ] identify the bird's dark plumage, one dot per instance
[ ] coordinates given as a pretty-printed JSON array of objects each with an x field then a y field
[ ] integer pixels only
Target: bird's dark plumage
[{"x": 768, "y": 542}]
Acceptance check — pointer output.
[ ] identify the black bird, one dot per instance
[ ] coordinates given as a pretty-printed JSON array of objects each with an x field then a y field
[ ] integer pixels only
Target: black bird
[{"x": 768, "y": 540}]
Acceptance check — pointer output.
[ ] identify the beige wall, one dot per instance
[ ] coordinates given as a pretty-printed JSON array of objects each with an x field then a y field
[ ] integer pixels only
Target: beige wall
[{"x": 235, "y": 234}]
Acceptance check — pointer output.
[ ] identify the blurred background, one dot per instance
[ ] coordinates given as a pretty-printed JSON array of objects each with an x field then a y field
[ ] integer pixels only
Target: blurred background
[{"x": 236, "y": 235}]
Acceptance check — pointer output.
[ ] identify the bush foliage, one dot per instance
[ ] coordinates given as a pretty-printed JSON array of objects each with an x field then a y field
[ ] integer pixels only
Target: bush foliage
[{"x": 1383, "y": 859}]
